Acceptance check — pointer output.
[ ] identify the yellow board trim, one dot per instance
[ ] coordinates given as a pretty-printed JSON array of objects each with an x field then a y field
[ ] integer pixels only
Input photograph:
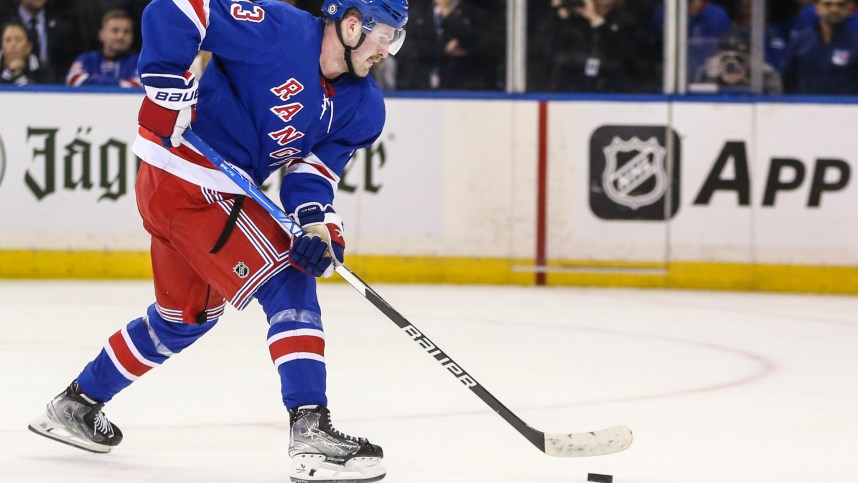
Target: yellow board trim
[
  {"x": 96, "y": 265},
  {"x": 86, "y": 265},
  {"x": 724, "y": 276}
]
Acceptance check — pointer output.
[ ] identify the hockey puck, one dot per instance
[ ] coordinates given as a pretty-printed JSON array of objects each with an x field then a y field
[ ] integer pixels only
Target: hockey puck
[{"x": 596, "y": 477}]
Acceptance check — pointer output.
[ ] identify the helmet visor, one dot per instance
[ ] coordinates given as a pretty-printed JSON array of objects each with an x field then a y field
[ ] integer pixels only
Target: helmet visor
[{"x": 387, "y": 36}]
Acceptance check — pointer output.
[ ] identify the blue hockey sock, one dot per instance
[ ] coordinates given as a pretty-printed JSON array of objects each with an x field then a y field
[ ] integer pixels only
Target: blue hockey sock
[
  {"x": 296, "y": 339},
  {"x": 298, "y": 351},
  {"x": 143, "y": 344}
]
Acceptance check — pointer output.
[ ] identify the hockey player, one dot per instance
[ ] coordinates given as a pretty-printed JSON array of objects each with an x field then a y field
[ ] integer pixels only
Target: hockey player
[{"x": 283, "y": 88}]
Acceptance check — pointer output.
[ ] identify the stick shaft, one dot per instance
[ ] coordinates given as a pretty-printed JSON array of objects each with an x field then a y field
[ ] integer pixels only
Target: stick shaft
[
  {"x": 532, "y": 435},
  {"x": 457, "y": 371}
]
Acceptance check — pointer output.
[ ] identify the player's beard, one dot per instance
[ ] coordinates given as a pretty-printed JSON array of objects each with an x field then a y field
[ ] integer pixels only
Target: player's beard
[{"x": 362, "y": 70}]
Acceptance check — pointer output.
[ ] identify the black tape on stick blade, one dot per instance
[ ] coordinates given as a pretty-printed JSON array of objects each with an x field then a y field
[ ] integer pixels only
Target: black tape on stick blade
[{"x": 597, "y": 478}]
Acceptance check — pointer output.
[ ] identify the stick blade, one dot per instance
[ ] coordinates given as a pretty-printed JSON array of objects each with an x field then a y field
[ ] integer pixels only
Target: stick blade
[{"x": 594, "y": 443}]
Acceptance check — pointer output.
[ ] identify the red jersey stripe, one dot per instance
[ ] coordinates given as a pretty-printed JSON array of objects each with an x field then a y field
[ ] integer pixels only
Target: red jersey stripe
[
  {"x": 323, "y": 171},
  {"x": 199, "y": 9},
  {"x": 77, "y": 79}
]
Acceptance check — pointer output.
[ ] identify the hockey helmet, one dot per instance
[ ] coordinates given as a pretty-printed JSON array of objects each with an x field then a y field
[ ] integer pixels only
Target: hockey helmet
[{"x": 373, "y": 12}]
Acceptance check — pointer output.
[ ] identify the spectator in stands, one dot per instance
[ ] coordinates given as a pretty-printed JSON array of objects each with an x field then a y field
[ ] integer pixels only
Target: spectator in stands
[
  {"x": 135, "y": 9},
  {"x": 705, "y": 19},
  {"x": 593, "y": 48},
  {"x": 824, "y": 59},
  {"x": 808, "y": 17},
  {"x": 51, "y": 37},
  {"x": 84, "y": 18},
  {"x": 491, "y": 53},
  {"x": 115, "y": 64},
  {"x": 458, "y": 40},
  {"x": 415, "y": 62},
  {"x": 707, "y": 23},
  {"x": 730, "y": 68},
  {"x": 6, "y": 10},
  {"x": 780, "y": 26},
  {"x": 18, "y": 64}
]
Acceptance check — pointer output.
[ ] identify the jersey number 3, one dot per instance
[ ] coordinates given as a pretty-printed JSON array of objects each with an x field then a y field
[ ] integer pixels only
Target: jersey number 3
[{"x": 254, "y": 15}]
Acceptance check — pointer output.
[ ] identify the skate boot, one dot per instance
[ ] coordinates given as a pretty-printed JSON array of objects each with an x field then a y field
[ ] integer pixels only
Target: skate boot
[
  {"x": 76, "y": 419},
  {"x": 321, "y": 454}
]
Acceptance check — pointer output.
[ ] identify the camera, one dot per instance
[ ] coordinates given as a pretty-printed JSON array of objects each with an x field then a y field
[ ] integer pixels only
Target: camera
[
  {"x": 733, "y": 67},
  {"x": 733, "y": 59}
]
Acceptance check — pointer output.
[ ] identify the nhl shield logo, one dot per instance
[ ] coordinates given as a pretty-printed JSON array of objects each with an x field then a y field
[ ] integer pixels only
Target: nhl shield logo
[
  {"x": 241, "y": 270},
  {"x": 621, "y": 183},
  {"x": 631, "y": 177}
]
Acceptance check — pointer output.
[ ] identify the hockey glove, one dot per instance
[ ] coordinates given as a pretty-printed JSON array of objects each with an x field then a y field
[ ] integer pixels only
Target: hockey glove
[
  {"x": 169, "y": 107},
  {"x": 321, "y": 248}
]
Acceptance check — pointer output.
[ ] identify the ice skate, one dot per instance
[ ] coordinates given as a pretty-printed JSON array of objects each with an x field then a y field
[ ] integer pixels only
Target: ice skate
[
  {"x": 321, "y": 454},
  {"x": 76, "y": 419}
]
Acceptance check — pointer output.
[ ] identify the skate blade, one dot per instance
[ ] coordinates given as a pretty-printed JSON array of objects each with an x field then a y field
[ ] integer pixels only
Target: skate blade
[
  {"x": 312, "y": 468},
  {"x": 47, "y": 427}
]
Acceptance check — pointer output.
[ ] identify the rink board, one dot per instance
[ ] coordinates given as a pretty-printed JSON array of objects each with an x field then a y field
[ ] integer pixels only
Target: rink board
[{"x": 741, "y": 195}]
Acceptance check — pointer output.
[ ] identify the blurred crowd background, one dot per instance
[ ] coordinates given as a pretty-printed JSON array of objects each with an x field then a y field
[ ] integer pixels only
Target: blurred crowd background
[{"x": 573, "y": 46}]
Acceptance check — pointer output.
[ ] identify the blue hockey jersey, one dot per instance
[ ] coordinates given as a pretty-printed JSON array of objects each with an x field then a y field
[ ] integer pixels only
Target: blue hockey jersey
[
  {"x": 94, "y": 69},
  {"x": 263, "y": 102}
]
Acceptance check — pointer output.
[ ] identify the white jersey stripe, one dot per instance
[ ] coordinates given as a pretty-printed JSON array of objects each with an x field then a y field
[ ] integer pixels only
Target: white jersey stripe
[
  {"x": 305, "y": 168},
  {"x": 314, "y": 160},
  {"x": 77, "y": 78},
  {"x": 201, "y": 23},
  {"x": 161, "y": 158},
  {"x": 311, "y": 164}
]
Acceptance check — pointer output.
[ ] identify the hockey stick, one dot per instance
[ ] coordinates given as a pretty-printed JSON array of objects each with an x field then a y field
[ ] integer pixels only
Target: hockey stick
[{"x": 593, "y": 443}]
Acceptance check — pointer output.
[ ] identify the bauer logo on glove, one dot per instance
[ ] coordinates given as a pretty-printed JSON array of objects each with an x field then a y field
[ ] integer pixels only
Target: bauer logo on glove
[
  {"x": 169, "y": 107},
  {"x": 176, "y": 97},
  {"x": 322, "y": 247}
]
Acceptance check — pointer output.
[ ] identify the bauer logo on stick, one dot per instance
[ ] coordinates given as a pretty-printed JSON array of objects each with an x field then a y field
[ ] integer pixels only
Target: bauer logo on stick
[{"x": 634, "y": 174}]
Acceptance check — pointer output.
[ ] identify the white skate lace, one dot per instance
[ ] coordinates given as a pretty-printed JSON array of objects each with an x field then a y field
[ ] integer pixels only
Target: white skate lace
[
  {"x": 337, "y": 433},
  {"x": 102, "y": 425}
]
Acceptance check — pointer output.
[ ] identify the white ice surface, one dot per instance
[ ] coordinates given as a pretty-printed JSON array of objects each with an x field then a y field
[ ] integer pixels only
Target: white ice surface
[{"x": 718, "y": 387}]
